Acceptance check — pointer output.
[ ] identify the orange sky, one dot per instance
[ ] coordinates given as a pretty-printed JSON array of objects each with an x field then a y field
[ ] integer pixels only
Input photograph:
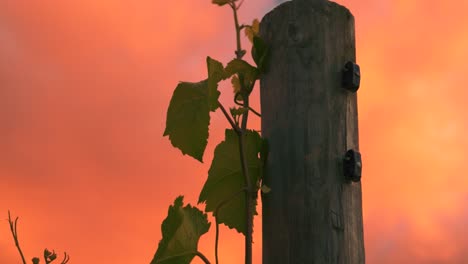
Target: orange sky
[{"x": 84, "y": 88}]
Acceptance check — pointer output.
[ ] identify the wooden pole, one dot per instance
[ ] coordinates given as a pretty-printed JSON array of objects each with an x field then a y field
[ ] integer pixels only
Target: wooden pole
[{"x": 313, "y": 214}]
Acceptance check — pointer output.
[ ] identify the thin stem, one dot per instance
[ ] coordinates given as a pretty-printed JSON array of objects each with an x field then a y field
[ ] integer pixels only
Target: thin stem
[
  {"x": 248, "y": 195},
  {"x": 235, "y": 99},
  {"x": 66, "y": 258},
  {"x": 240, "y": 4},
  {"x": 14, "y": 232},
  {"x": 245, "y": 116},
  {"x": 218, "y": 207},
  {"x": 255, "y": 112},
  {"x": 228, "y": 117},
  {"x": 205, "y": 259},
  {"x": 239, "y": 52},
  {"x": 217, "y": 241},
  {"x": 250, "y": 108}
]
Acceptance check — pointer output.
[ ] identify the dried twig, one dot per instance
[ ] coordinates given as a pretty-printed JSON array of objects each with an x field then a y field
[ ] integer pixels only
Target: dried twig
[
  {"x": 48, "y": 256},
  {"x": 14, "y": 232},
  {"x": 66, "y": 258}
]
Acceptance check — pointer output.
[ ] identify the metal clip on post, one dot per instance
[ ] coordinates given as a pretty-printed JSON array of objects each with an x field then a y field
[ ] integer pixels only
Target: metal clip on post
[
  {"x": 351, "y": 76},
  {"x": 352, "y": 165}
]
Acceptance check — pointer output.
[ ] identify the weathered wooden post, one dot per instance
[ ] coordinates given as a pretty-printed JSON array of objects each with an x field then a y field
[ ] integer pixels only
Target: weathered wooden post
[{"x": 313, "y": 213}]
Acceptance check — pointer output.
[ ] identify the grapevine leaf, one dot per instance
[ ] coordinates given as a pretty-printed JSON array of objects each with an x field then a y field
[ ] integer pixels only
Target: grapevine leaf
[
  {"x": 242, "y": 67},
  {"x": 255, "y": 26},
  {"x": 238, "y": 66},
  {"x": 251, "y": 31},
  {"x": 181, "y": 231},
  {"x": 222, "y": 2},
  {"x": 265, "y": 189},
  {"x": 216, "y": 74},
  {"x": 188, "y": 118},
  {"x": 235, "y": 84},
  {"x": 260, "y": 53},
  {"x": 238, "y": 111},
  {"x": 225, "y": 178}
]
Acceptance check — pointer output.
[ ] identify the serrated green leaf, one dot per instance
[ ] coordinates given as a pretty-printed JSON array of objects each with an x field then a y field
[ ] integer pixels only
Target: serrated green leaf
[
  {"x": 188, "y": 118},
  {"x": 181, "y": 231},
  {"x": 235, "y": 84},
  {"x": 216, "y": 70},
  {"x": 238, "y": 66},
  {"x": 216, "y": 74},
  {"x": 265, "y": 189},
  {"x": 252, "y": 30},
  {"x": 225, "y": 178},
  {"x": 260, "y": 53},
  {"x": 238, "y": 111},
  {"x": 249, "y": 33}
]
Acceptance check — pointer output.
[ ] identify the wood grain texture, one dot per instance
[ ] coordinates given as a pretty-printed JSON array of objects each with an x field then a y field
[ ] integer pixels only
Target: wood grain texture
[{"x": 312, "y": 214}]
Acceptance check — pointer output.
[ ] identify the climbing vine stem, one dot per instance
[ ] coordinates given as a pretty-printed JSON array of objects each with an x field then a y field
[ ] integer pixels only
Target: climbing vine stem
[
  {"x": 248, "y": 194},
  {"x": 229, "y": 119},
  {"x": 230, "y": 175}
]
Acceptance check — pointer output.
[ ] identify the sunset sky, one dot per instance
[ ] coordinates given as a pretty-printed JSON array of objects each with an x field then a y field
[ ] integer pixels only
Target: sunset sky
[{"x": 84, "y": 89}]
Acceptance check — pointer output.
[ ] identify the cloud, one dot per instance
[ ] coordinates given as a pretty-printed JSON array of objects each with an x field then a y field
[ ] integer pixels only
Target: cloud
[
  {"x": 84, "y": 90},
  {"x": 402, "y": 240}
]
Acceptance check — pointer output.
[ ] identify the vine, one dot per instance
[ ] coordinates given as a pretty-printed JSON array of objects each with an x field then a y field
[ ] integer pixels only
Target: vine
[{"x": 237, "y": 166}]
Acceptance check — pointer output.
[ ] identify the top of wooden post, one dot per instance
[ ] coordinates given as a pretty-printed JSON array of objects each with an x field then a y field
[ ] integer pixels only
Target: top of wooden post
[{"x": 312, "y": 2}]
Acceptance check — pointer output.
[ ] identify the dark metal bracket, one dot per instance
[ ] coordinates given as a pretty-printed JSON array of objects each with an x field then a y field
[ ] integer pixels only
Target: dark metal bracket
[
  {"x": 352, "y": 165},
  {"x": 351, "y": 76}
]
